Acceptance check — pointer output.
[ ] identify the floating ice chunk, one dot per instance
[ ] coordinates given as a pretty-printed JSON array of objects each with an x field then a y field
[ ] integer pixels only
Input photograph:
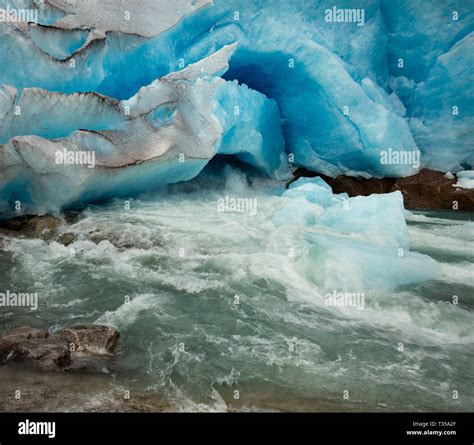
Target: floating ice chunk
[
  {"x": 379, "y": 219},
  {"x": 297, "y": 212},
  {"x": 356, "y": 244},
  {"x": 314, "y": 190},
  {"x": 317, "y": 181},
  {"x": 343, "y": 264}
]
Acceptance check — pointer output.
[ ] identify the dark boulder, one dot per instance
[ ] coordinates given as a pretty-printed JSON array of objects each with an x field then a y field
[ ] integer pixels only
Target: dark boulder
[
  {"x": 74, "y": 349},
  {"x": 29, "y": 226},
  {"x": 15, "y": 224},
  {"x": 24, "y": 333},
  {"x": 432, "y": 190},
  {"x": 11, "y": 339},
  {"x": 48, "y": 354},
  {"x": 72, "y": 216},
  {"x": 92, "y": 338},
  {"x": 43, "y": 227}
]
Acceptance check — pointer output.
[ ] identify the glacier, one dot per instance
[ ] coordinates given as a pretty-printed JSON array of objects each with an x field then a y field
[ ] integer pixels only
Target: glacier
[
  {"x": 296, "y": 90},
  {"x": 166, "y": 133},
  {"x": 136, "y": 125}
]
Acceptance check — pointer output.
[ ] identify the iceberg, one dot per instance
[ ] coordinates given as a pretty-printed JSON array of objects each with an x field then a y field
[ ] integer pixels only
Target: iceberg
[
  {"x": 354, "y": 243},
  {"x": 379, "y": 218}
]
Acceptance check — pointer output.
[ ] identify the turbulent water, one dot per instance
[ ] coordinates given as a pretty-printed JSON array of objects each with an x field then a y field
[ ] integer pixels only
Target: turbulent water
[{"x": 222, "y": 310}]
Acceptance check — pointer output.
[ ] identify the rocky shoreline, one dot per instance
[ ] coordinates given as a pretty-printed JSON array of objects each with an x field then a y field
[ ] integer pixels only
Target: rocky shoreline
[
  {"x": 77, "y": 348},
  {"x": 72, "y": 370}
]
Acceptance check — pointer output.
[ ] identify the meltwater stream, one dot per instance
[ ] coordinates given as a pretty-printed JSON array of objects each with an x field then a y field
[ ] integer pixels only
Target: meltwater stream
[{"x": 216, "y": 313}]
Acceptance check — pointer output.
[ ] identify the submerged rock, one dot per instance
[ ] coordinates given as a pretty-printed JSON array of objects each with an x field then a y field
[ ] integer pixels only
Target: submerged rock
[
  {"x": 72, "y": 216},
  {"x": 92, "y": 338},
  {"x": 66, "y": 239}
]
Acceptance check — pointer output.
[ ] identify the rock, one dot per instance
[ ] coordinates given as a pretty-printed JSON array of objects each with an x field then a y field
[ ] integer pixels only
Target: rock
[
  {"x": 30, "y": 226},
  {"x": 35, "y": 347},
  {"x": 97, "y": 237},
  {"x": 42, "y": 226},
  {"x": 15, "y": 224},
  {"x": 24, "y": 333},
  {"x": 93, "y": 338},
  {"x": 72, "y": 216},
  {"x": 11, "y": 339},
  {"x": 356, "y": 187},
  {"x": 7, "y": 350},
  {"x": 432, "y": 190},
  {"x": 426, "y": 190},
  {"x": 66, "y": 239},
  {"x": 48, "y": 354}
]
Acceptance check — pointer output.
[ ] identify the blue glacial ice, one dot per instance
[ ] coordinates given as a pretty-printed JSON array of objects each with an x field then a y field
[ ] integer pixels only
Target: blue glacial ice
[
  {"x": 165, "y": 134},
  {"x": 431, "y": 61},
  {"x": 364, "y": 232},
  {"x": 379, "y": 216},
  {"x": 465, "y": 179},
  {"x": 328, "y": 96}
]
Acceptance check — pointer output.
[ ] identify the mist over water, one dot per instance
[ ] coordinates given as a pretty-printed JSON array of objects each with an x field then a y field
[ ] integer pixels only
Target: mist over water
[{"x": 210, "y": 302}]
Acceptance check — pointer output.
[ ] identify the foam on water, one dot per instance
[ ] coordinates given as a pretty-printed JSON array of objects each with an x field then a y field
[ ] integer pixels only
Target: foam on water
[{"x": 209, "y": 302}]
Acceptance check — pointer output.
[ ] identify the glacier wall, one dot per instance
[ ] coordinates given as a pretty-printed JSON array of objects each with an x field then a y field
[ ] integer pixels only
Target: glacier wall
[
  {"x": 431, "y": 55},
  {"x": 65, "y": 150},
  {"x": 395, "y": 78}
]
